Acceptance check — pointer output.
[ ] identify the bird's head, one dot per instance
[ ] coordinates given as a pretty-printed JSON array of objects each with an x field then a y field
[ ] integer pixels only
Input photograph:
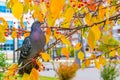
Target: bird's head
[{"x": 36, "y": 26}]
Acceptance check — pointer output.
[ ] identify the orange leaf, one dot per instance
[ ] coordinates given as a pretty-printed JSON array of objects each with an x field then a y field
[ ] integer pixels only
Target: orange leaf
[
  {"x": 45, "y": 56},
  {"x": 26, "y": 34},
  {"x": 78, "y": 46},
  {"x": 48, "y": 31},
  {"x": 92, "y": 7},
  {"x": 34, "y": 75},
  {"x": 65, "y": 52}
]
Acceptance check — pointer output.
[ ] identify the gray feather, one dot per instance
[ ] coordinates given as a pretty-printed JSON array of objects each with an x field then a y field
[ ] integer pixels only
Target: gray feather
[{"x": 31, "y": 46}]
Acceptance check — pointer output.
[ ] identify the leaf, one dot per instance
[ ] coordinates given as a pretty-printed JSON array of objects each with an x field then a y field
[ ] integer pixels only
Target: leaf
[
  {"x": 47, "y": 38},
  {"x": 88, "y": 19},
  {"x": 56, "y": 34},
  {"x": 119, "y": 51},
  {"x": 95, "y": 29},
  {"x": 101, "y": 13},
  {"x": 40, "y": 65},
  {"x": 112, "y": 10},
  {"x": 50, "y": 20},
  {"x": 55, "y": 7},
  {"x": 37, "y": 14},
  {"x": 43, "y": 8},
  {"x": 45, "y": 56},
  {"x": 48, "y": 31},
  {"x": 91, "y": 39},
  {"x": 67, "y": 15},
  {"x": 65, "y": 52},
  {"x": 109, "y": 1},
  {"x": 14, "y": 33},
  {"x": 17, "y": 10},
  {"x": 93, "y": 56},
  {"x": 83, "y": 66},
  {"x": 107, "y": 13},
  {"x": 81, "y": 55},
  {"x": 102, "y": 60},
  {"x": 97, "y": 64},
  {"x": 112, "y": 53},
  {"x": 78, "y": 46},
  {"x": 26, "y": 76},
  {"x": 64, "y": 40},
  {"x": 92, "y": 7},
  {"x": 13, "y": 67},
  {"x": 34, "y": 75},
  {"x": 87, "y": 63},
  {"x": 26, "y": 34}
]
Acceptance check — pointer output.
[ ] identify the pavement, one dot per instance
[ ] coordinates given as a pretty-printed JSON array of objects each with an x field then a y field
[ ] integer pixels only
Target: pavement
[{"x": 90, "y": 73}]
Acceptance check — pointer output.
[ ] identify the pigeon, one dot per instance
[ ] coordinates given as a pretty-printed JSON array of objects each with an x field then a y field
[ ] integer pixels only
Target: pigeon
[{"x": 32, "y": 45}]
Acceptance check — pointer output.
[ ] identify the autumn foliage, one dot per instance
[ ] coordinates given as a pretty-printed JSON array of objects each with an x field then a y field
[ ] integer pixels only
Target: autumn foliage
[{"x": 93, "y": 19}]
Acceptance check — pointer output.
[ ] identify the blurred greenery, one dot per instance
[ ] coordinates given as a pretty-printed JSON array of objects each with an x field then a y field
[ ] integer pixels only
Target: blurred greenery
[
  {"x": 18, "y": 77},
  {"x": 109, "y": 71}
]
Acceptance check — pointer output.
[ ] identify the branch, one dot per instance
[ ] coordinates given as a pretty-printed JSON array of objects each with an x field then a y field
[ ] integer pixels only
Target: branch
[{"x": 102, "y": 54}]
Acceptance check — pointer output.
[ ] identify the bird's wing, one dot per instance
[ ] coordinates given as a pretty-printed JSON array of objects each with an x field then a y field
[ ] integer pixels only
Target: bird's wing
[{"x": 26, "y": 46}]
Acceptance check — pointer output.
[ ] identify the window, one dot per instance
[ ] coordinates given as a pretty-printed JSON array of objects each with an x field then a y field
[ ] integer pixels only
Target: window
[{"x": 4, "y": 9}]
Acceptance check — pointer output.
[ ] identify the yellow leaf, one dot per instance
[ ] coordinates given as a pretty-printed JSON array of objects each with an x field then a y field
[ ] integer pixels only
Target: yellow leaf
[
  {"x": 93, "y": 56},
  {"x": 43, "y": 8},
  {"x": 112, "y": 10},
  {"x": 95, "y": 29},
  {"x": 83, "y": 66},
  {"x": 55, "y": 7},
  {"x": 87, "y": 62},
  {"x": 13, "y": 67},
  {"x": 56, "y": 35},
  {"x": 91, "y": 39},
  {"x": 17, "y": 10},
  {"x": 105, "y": 39},
  {"x": 78, "y": 46},
  {"x": 107, "y": 13},
  {"x": 45, "y": 56},
  {"x": 64, "y": 40},
  {"x": 107, "y": 25},
  {"x": 81, "y": 55},
  {"x": 47, "y": 38},
  {"x": 102, "y": 60},
  {"x": 65, "y": 52},
  {"x": 88, "y": 19},
  {"x": 50, "y": 20},
  {"x": 26, "y": 76},
  {"x": 34, "y": 75},
  {"x": 67, "y": 15},
  {"x": 97, "y": 64},
  {"x": 65, "y": 24},
  {"x": 112, "y": 53}
]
